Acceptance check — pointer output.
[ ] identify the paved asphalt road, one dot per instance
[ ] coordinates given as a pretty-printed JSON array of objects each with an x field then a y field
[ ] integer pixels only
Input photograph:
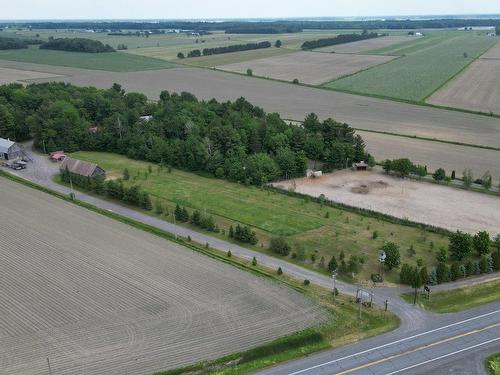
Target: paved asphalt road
[{"x": 425, "y": 343}]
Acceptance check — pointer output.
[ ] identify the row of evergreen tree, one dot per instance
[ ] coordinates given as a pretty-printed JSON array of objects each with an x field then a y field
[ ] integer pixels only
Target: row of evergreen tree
[
  {"x": 115, "y": 189},
  {"x": 243, "y": 234},
  {"x": 225, "y": 49},
  {"x": 198, "y": 219},
  {"x": 340, "y": 39},
  {"x": 444, "y": 273}
]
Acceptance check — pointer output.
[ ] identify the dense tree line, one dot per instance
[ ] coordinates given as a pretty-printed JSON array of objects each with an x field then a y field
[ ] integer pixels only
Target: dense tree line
[
  {"x": 462, "y": 247},
  {"x": 77, "y": 45},
  {"x": 115, "y": 189},
  {"x": 404, "y": 167},
  {"x": 497, "y": 30},
  {"x": 232, "y": 140},
  {"x": 262, "y": 27},
  {"x": 340, "y": 39},
  {"x": 235, "y": 48},
  {"x": 16, "y": 43}
]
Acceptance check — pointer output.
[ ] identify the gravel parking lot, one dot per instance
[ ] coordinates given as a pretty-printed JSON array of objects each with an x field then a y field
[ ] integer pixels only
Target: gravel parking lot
[{"x": 99, "y": 297}]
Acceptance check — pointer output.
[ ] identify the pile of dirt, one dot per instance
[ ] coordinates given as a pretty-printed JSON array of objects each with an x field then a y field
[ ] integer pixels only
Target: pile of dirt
[{"x": 366, "y": 188}]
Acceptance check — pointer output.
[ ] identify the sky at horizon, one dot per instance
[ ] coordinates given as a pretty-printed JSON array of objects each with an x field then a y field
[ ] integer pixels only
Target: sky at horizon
[{"x": 224, "y": 9}]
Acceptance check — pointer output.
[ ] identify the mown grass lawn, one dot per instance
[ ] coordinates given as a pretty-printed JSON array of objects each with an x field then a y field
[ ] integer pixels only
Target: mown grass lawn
[
  {"x": 424, "y": 68},
  {"x": 459, "y": 299},
  {"x": 320, "y": 231},
  {"x": 110, "y": 61}
]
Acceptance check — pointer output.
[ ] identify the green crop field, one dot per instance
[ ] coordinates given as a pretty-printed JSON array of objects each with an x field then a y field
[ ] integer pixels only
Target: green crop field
[
  {"x": 425, "y": 67},
  {"x": 111, "y": 61},
  {"x": 318, "y": 230}
]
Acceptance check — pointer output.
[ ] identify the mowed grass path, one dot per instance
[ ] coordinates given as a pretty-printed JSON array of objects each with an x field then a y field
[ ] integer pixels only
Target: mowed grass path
[
  {"x": 424, "y": 68},
  {"x": 111, "y": 61},
  {"x": 318, "y": 230},
  {"x": 459, "y": 299}
]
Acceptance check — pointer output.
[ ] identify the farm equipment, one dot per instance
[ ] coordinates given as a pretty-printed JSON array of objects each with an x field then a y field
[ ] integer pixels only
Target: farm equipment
[{"x": 17, "y": 165}]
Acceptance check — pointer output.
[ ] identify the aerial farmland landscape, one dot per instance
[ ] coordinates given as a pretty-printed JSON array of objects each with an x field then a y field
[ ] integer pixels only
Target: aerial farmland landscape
[{"x": 283, "y": 188}]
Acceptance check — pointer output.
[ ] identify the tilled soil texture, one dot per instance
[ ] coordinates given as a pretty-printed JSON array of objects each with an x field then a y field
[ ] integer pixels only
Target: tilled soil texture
[
  {"x": 96, "y": 296},
  {"x": 308, "y": 67}
]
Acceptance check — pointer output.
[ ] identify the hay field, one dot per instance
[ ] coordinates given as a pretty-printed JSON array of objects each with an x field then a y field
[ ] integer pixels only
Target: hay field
[
  {"x": 417, "y": 75},
  {"x": 308, "y": 67},
  {"x": 418, "y": 201},
  {"x": 477, "y": 88},
  {"x": 100, "y": 297},
  {"x": 434, "y": 155},
  {"x": 8, "y": 75},
  {"x": 368, "y": 45}
]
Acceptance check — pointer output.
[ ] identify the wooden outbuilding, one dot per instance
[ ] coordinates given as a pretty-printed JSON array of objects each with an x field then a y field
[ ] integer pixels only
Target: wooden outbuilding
[
  {"x": 10, "y": 150},
  {"x": 361, "y": 166},
  {"x": 82, "y": 168}
]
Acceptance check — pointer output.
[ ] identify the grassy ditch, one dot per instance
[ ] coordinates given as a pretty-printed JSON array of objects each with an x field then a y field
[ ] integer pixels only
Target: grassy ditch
[{"x": 458, "y": 299}]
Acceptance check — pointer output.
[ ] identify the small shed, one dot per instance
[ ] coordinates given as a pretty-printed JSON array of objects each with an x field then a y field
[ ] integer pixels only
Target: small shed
[
  {"x": 313, "y": 174},
  {"x": 10, "y": 150},
  {"x": 82, "y": 168},
  {"x": 57, "y": 155},
  {"x": 361, "y": 166}
]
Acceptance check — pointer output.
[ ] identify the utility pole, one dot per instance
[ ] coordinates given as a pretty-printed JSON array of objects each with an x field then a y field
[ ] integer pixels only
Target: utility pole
[
  {"x": 48, "y": 365},
  {"x": 72, "y": 193},
  {"x": 334, "y": 277}
]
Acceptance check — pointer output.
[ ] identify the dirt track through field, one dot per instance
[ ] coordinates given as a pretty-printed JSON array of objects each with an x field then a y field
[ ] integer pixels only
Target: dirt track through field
[
  {"x": 99, "y": 297},
  {"x": 308, "y": 67},
  {"x": 422, "y": 202}
]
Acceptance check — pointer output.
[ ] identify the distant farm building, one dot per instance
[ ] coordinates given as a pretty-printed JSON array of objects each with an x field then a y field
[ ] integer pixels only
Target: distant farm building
[
  {"x": 145, "y": 118},
  {"x": 361, "y": 166},
  {"x": 313, "y": 174},
  {"x": 10, "y": 150},
  {"x": 93, "y": 129},
  {"x": 82, "y": 168},
  {"x": 57, "y": 156}
]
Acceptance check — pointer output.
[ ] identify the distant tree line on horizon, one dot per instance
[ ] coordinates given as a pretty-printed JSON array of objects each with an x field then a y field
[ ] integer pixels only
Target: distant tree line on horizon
[
  {"x": 264, "y": 27},
  {"x": 76, "y": 45},
  {"x": 231, "y": 140},
  {"x": 340, "y": 39},
  {"x": 226, "y": 49}
]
